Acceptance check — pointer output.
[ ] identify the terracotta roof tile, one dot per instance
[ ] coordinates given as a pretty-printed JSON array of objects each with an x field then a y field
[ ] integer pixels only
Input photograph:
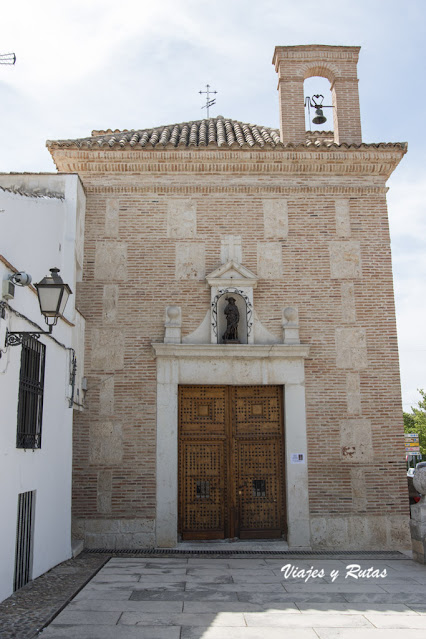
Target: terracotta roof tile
[{"x": 219, "y": 132}]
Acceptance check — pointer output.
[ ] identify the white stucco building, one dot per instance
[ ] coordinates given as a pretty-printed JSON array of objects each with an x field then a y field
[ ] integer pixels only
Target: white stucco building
[{"x": 41, "y": 226}]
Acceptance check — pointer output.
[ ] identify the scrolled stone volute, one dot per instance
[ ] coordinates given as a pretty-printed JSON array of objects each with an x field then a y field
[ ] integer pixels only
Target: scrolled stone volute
[{"x": 419, "y": 479}]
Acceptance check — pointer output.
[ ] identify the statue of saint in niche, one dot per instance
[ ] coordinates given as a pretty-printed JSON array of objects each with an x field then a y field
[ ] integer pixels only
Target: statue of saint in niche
[{"x": 232, "y": 318}]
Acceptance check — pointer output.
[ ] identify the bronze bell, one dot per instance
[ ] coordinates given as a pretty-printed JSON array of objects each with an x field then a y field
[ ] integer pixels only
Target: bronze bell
[{"x": 319, "y": 117}]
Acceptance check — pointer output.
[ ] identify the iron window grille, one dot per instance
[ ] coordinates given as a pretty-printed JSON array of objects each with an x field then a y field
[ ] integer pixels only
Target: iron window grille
[
  {"x": 202, "y": 489},
  {"x": 30, "y": 402},
  {"x": 259, "y": 488},
  {"x": 24, "y": 540}
]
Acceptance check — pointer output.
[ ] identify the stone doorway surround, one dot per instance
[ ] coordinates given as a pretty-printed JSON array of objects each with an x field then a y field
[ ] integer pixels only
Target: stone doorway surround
[{"x": 242, "y": 364}]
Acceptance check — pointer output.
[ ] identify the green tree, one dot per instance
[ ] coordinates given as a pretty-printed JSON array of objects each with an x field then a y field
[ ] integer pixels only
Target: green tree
[{"x": 415, "y": 422}]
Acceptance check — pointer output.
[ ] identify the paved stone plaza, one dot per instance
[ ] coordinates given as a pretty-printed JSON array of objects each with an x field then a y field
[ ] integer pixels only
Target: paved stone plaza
[{"x": 246, "y": 598}]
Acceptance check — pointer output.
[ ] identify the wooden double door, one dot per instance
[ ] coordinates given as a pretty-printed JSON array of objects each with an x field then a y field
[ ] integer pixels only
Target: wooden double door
[{"x": 231, "y": 462}]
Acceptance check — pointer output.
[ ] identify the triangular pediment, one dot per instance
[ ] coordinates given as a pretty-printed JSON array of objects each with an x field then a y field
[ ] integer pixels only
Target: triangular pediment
[{"x": 232, "y": 274}]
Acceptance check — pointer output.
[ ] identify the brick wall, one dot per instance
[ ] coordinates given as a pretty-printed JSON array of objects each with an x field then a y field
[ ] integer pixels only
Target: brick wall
[{"x": 333, "y": 263}]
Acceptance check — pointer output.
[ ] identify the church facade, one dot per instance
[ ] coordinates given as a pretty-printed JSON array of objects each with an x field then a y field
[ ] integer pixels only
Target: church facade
[{"x": 241, "y": 350}]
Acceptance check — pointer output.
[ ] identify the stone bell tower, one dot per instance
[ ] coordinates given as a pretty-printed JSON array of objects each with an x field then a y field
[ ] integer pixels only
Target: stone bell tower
[{"x": 339, "y": 66}]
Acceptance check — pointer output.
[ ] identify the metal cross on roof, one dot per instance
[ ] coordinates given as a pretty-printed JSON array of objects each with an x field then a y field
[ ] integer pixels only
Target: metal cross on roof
[{"x": 209, "y": 101}]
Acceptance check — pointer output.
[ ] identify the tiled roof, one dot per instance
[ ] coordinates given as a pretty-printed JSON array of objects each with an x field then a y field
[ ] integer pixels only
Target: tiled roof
[
  {"x": 220, "y": 132},
  {"x": 214, "y": 132}
]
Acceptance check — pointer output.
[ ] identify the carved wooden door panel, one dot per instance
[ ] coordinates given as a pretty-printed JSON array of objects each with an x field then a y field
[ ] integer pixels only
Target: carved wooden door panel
[
  {"x": 258, "y": 460},
  {"x": 231, "y": 462},
  {"x": 203, "y": 458}
]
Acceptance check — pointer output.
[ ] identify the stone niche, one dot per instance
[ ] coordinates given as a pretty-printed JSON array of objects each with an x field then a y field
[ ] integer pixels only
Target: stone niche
[
  {"x": 221, "y": 321},
  {"x": 237, "y": 281},
  {"x": 234, "y": 280}
]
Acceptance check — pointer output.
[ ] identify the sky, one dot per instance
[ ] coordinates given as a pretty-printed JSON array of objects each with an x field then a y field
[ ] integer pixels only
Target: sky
[{"x": 99, "y": 64}]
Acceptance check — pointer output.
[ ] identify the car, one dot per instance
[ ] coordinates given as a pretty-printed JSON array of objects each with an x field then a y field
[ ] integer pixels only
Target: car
[{"x": 414, "y": 496}]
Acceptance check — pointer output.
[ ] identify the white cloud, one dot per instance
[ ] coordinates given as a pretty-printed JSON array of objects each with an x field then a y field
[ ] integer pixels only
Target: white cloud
[
  {"x": 407, "y": 204},
  {"x": 407, "y": 217}
]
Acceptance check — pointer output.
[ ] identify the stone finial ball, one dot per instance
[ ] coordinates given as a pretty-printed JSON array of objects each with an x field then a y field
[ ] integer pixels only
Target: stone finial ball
[
  {"x": 419, "y": 478},
  {"x": 290, "y": 314},
  {"x": 173, "y": 312}
]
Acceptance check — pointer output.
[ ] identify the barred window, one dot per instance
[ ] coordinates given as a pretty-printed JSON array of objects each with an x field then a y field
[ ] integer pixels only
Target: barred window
[
  {"x": 24, "y": 539},
  {"x": 30, "y": 403}
]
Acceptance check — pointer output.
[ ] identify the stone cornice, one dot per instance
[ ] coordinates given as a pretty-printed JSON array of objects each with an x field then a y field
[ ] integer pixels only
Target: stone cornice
[
  {"x": 239, "y": 351},
  {"x": 374, "y": 161},
  {"x": 311, "y": 152},
  {"x": 321, "y": 51},
  {"x": 324, "y": 55},
  {"x": 159, "y": 188}
]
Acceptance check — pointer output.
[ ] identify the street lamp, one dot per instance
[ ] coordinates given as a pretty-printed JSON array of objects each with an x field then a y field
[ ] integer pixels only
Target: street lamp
[{"x": 52, "y": 295}]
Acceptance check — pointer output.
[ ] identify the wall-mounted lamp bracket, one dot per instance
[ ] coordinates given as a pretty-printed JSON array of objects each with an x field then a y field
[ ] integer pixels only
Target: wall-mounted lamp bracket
[
  {"x": 52, "y": 296},
  {"x": 16, "y": 338}
]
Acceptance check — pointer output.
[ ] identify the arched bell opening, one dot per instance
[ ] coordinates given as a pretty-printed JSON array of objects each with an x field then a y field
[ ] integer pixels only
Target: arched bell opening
[{"x": 319, "y": 111}]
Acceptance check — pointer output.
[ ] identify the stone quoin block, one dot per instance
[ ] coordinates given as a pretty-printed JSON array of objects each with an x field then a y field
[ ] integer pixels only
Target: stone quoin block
[
  {"x": 106, "y": 396},
  {"x": 104, "y": 494},
  {"x": 181, "y": 218},
  {"x": 275, "y": 218},
  {"x": 345, "y": 259},
  {"x": 343, "y": 222},
  {"x": 359, "y": 489},
  {"x": 107, "y": 349},
  {"x": 356, "y": 441},
  {"x": 353, "y": 393},
  {"x": 269, "y": 260},
  {"x": 111, "y": 218},
  {"x": 351, "y": 348},
  {"x": 110, "y": 303},
  {"x": 190, "y": 261},
  {"x": 111, "y": 261},
  {"x": 106, "y": 443},
  {"x": 348, "y": 302}
]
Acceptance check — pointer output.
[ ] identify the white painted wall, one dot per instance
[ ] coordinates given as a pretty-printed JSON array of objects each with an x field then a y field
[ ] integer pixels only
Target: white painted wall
[{"x": 37, "y": 233}]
